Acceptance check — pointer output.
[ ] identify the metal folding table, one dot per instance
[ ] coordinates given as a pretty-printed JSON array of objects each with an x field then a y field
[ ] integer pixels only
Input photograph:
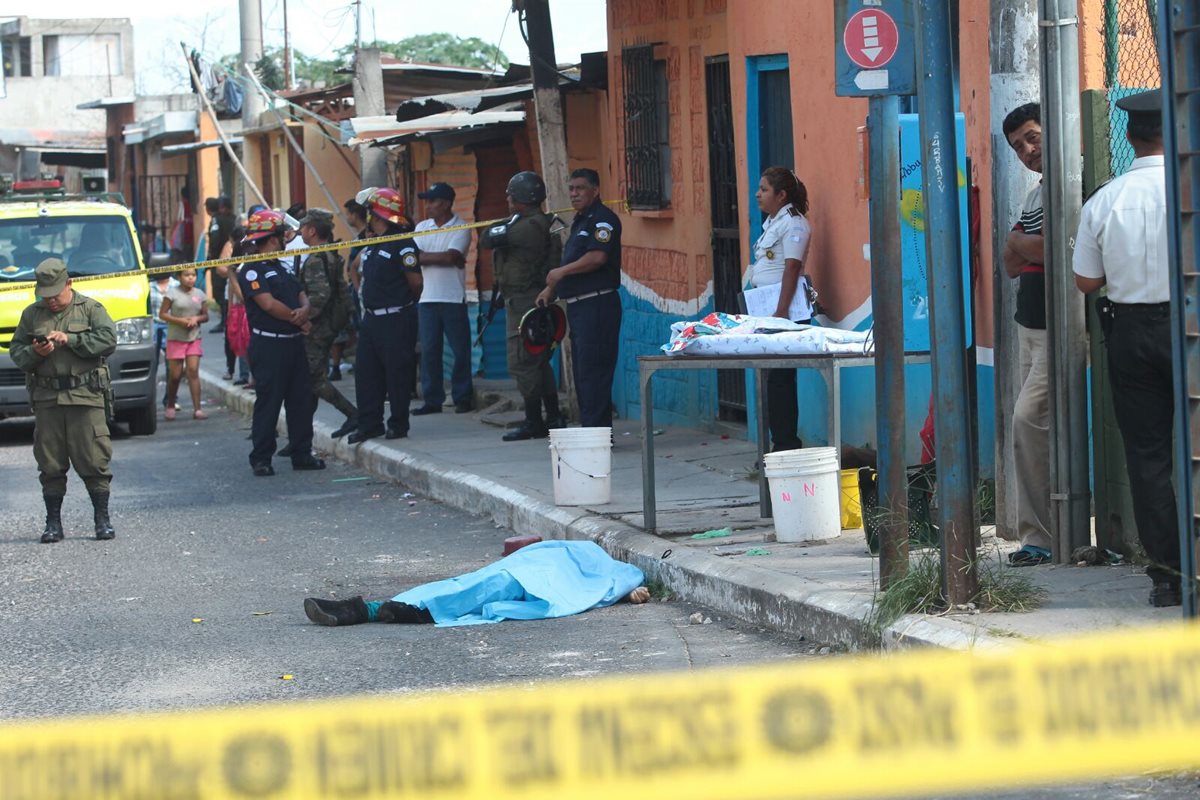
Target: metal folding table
[{"x": 830, "y": 365}]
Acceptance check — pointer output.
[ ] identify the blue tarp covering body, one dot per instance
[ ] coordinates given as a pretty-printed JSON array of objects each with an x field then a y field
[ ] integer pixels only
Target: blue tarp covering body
[{"x": 540, "y": 581}]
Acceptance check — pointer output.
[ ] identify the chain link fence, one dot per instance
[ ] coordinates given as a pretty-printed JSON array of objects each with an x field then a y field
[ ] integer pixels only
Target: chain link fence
[{"x": 1131, "y": 65}]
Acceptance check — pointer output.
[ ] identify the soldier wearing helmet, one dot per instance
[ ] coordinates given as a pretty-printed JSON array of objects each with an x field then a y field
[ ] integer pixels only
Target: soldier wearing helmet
[
  {"x": 277, "y": 310},
  {"x": 387, "y": 340},
  {"x": 525, "y": 250}
]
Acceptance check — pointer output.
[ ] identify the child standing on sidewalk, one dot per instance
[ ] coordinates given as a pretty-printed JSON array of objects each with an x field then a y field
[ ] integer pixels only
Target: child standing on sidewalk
[{"x": 184, "y": 309}]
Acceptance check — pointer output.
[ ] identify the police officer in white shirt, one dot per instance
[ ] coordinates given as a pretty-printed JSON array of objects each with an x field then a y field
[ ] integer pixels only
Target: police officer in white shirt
[
  {"x": 1122, "y": 244},
  {"x": 779, "y": 256}
]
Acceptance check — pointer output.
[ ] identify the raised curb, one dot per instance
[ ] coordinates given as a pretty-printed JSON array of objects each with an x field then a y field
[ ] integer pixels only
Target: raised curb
[{"x": 758, "y": 596}]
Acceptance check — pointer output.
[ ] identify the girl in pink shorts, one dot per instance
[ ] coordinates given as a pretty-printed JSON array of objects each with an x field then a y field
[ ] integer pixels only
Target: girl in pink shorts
[{"x": 184, "y": 309}]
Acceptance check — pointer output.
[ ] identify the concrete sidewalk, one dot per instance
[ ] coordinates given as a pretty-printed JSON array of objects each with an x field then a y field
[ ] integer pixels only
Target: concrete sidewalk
[{"x": 824, "y": 591}]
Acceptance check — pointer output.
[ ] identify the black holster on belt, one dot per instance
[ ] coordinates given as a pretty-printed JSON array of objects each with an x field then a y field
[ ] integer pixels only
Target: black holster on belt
[{"x": 1106, "y": 310}]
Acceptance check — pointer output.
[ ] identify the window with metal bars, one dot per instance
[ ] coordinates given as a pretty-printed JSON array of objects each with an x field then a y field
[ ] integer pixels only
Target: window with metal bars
[{"x": 647, "y": 129}]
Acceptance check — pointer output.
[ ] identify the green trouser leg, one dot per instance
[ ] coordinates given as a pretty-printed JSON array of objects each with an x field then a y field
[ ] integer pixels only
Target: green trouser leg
[
  {"x": 66, "y": 436},
  {"x": 316, "y": 350},
  {"x": 535, "y": 378}
]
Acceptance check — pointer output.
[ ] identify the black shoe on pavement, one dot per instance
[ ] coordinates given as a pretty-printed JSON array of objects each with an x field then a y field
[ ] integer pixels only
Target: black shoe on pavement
[
  {"x": 465, "y": 407},
  {"x": 218, "y": 328},
  {"x": 335, "y": 374},
  {"x": 426, "y": 409},
  {"x": 263, "y": 470},
  {"x": 286, "y": 451},
  {"x": 349, "y": 425},
  {"x": 1166, "y": 594},
  {"x": 403, "y": 614},
  {"x": 336, "y": 612},
  {"x": 362, "y": 436},
  {"x": 527, "y": 430},
  {"x": 54, "y": 528},
  {"x": 555, "y": 422},
  {"x": 103, "y": 526},
  {"x": 241, "y": 382},
  {"x": 310, "y": 463},
  {"x": 395, "y": 433}
]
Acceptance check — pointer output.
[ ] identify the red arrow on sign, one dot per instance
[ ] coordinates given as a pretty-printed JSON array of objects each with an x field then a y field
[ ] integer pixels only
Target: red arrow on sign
[{"x": 871, "y": 38}]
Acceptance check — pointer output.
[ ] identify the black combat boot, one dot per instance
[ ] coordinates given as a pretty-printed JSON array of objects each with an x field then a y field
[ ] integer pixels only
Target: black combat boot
[
  {"x": 54, "y": 530},
  {"x": 554, "y": 417},
  {"x": 532, "y": 427},
  {"x": 403, "y": 613},
  {"x": 336, "y": 612},
  {"x": 104, "y": 528}
]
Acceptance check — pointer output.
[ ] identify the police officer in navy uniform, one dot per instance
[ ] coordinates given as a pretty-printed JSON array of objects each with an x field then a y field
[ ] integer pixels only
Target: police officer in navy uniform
[
  {"x": 387, "y": 339},
  {"x": 588, "y": 281},
  {"x": 277, "y": 311},
  {"x": 1122, "y": 244}
]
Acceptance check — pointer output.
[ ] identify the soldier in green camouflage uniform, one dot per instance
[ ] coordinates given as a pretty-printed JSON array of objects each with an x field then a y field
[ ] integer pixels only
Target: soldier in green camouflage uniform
[
  {"x": 525, "y": 251},
  {"x": 320, "y": 275},
  {"x": 61, "y": 343}
]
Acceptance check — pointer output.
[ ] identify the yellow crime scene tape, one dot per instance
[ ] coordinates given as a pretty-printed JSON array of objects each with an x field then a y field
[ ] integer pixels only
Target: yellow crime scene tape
[
  {"x": 300, "y": 251},
  {"x": 865, "y": 726}
]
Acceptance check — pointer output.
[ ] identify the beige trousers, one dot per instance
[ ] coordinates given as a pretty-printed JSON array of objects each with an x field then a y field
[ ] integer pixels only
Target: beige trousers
[{"x": 1031, "y": 440}]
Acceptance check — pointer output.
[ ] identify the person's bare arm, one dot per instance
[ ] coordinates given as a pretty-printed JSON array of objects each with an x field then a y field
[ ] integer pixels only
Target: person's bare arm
[
  {"x": 1088, "y": 285},
  {"x": 1029, "y": 246},
  {"x": 793, "y": 271}
]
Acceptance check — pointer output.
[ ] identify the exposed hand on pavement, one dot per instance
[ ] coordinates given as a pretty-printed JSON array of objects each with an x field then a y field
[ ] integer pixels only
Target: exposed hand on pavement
[{"x": 639, "y": 595}]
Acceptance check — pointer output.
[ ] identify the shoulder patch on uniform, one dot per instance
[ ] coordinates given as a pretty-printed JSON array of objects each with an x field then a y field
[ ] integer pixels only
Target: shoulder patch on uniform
[
  {"x": 410, "y": 259},
  {"x": 385, "y": 254},
  {"x": 251, "y": 275},
  {"x": 270, "y": 274},
  {"x": 604, "y": 225},
  {"x": 795, "y": 237},
  {"x": 254, "y": 285},
  {"x": 603, "y": 234}
]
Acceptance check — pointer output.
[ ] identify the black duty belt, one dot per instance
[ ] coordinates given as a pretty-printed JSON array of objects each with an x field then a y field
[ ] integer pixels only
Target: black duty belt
[
  {"x": 1139, "y": 308},
  {"x": 383, "y": 312},
  {"x": 63, "y": 383}
]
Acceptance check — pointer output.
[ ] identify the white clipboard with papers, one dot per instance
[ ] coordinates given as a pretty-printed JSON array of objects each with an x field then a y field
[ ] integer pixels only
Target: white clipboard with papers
[{"x": 762, "y": 301}]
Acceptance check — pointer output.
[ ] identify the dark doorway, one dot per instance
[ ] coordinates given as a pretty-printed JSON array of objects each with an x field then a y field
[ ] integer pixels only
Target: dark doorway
[
  {"x": 726, "y": 255},
  {"x": 775, "y": 119}
]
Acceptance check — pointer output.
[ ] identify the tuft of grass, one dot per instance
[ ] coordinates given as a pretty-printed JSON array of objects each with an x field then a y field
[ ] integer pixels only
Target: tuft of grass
[
  {"x": 920, "y": 590},
  {"x": 985, "y": 501},
  {"x": 659, "y": 590}
]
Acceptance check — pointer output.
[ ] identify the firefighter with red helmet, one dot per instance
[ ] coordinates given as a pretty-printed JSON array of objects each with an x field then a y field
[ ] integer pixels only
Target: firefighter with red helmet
[
  {"x": 277, "y": 310},
  {"x": 387, "y": 339}
]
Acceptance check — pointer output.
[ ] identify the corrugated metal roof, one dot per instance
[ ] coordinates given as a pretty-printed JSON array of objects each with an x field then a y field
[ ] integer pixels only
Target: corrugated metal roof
[{"x": 364, "y": 130}]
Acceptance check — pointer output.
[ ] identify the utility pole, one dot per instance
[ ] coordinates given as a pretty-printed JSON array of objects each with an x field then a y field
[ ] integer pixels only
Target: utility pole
[
  {"x": 1066, "y": 333},
  {"x": 368, "y": 102},
  {"x": 552, "y": 134},
  {"x": 547, "y": 99},
  {"x": 287, "y": 51},
  {"x": 357, "y": 25},
  {"x": 887, "y": 308},
  {"x": 943, "y": 245},
  {"x": 1015, "y": 71},
  {"x": 250, "y": 17}
]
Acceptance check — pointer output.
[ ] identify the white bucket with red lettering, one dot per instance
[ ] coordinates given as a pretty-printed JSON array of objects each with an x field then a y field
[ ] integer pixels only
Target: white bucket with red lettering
[{"x": 805, "y": 493}]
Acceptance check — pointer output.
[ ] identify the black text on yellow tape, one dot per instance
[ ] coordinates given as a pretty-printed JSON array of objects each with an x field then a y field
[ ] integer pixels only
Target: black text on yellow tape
[{"x": 865, "y": 727}]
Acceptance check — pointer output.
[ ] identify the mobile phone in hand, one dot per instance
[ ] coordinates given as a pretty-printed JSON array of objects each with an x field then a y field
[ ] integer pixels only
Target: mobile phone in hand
[{"x": 41, "y": 340}]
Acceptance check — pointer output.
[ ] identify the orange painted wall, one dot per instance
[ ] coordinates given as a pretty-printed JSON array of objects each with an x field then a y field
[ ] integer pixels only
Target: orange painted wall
[{"x": 669, "y": 252}]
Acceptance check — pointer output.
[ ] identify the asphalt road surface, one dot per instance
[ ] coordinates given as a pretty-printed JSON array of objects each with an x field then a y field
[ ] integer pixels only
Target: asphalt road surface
[{"x": 197, "y": 602}]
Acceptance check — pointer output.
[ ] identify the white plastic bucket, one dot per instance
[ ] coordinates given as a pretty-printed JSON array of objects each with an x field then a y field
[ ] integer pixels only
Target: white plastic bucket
[
  {"x": 581, "y": 462},
  {"x": 805, "y": 493}
]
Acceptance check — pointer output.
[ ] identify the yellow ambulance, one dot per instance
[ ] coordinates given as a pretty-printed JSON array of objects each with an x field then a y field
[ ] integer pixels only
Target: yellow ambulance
[{"x": 95, "y": 236}]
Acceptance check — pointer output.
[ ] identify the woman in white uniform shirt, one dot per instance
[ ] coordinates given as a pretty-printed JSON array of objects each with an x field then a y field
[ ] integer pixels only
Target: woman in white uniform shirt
[{"x": 779, "y": 258}]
